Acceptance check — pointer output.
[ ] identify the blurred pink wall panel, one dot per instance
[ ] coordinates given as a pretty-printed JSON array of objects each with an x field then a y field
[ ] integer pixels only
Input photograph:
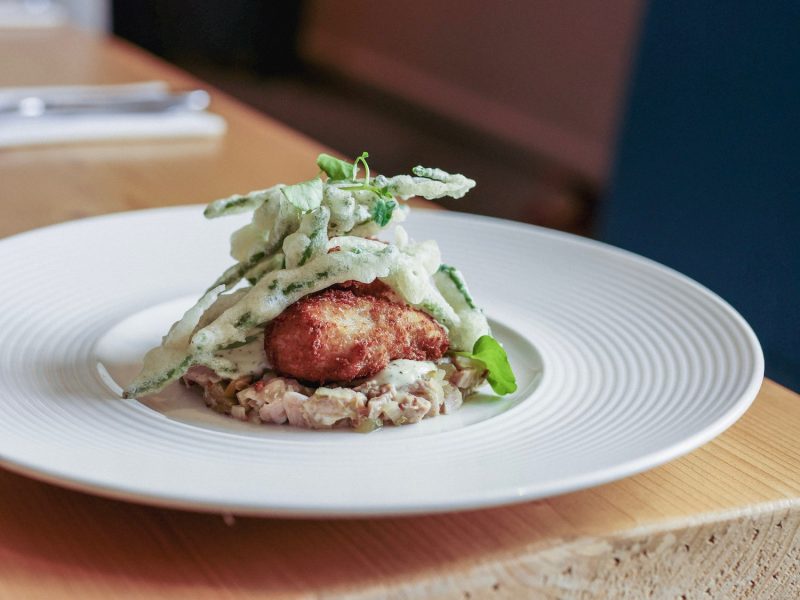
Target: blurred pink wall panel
[{"x": 546, "y": 76}]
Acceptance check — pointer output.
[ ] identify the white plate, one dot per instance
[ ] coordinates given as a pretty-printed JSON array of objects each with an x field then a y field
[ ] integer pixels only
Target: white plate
[{"x": 622, "y": 364}]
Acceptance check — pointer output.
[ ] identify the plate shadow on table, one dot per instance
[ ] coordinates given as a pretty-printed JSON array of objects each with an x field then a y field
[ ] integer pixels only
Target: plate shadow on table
[{"x": 178, "y": 549}]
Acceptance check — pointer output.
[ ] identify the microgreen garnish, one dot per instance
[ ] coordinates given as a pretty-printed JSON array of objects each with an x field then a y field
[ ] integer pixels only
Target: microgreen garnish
[
  {"x": 363, "y": 160},
  {"x": 340, "y": 170},
  {"x": 336, "y": 169}
]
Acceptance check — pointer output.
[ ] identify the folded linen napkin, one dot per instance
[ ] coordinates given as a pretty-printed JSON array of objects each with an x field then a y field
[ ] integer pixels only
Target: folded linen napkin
[{"x": 18, "y": 130}]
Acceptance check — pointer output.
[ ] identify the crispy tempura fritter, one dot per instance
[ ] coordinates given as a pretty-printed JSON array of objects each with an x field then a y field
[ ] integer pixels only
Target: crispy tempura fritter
[
  {"x": 338, "y": 335},
  {"x": 375, "y": 288}
]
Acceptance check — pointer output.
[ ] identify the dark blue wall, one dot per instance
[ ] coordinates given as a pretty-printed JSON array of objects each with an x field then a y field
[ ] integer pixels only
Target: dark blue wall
[{"x": 707, "y": 175}]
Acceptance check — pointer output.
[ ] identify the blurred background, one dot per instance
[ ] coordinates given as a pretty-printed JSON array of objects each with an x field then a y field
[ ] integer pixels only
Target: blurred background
[
  {"x": 670, "y": 129},
  {"x": 525, "y": 99}
]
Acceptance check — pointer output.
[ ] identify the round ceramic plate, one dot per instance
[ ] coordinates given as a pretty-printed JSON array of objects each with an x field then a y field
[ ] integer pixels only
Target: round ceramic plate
[{"x": 622, "y": 365}]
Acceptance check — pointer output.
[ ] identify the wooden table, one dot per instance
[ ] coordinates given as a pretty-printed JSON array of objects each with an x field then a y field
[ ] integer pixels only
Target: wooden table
[{"x": 722, "y": 522}]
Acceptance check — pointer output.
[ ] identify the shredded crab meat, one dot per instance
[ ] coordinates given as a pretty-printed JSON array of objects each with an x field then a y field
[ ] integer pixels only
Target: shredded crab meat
[{"x": 280, "y": 400}]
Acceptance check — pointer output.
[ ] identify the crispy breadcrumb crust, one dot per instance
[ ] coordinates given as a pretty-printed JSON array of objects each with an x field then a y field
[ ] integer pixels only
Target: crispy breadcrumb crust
[{"x": 338, "y": 335}]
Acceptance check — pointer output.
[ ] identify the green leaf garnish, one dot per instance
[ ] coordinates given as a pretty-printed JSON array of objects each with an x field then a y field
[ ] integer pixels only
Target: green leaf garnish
[
  {"x": 491, "y": 354},
  {"x": 306, "y": 195},
  {"x": 335, "y": 168},
  {"x": 382, "y": 211}
]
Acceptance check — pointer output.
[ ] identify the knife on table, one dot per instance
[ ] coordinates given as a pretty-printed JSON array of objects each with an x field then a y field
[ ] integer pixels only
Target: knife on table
[{"x": 40, "y": 105}]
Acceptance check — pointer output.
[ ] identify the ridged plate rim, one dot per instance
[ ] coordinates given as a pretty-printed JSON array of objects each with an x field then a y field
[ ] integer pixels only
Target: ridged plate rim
[{"x": 494, "y": 496}]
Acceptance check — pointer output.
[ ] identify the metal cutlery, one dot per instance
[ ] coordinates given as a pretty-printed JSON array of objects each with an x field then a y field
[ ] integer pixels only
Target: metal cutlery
[{"x": 96, "y": 103}]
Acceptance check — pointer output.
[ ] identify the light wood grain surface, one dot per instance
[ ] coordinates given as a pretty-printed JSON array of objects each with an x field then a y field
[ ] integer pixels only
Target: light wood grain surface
[{"x": 722, "y": 522}]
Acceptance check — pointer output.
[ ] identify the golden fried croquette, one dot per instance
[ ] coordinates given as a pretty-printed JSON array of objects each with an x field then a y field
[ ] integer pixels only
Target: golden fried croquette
[{"x": 337, "y": 335}]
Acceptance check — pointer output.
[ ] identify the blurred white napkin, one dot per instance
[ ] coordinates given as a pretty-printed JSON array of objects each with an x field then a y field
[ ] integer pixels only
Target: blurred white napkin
[
  {"x": 26, "y": 14},
  {"x": 17, "y": 130}
]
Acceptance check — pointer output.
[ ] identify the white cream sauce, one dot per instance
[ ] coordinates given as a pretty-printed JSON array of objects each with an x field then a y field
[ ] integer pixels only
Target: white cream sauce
[
  {"x": 402, "y": 372},
  {"x": 248, "y": 359}
]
